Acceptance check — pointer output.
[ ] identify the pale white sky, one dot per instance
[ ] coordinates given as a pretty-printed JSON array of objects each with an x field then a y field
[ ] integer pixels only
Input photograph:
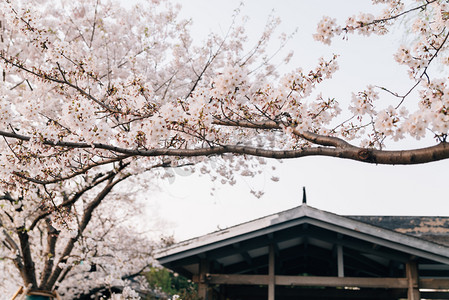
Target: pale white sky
[{"x": 339, "y": 186}]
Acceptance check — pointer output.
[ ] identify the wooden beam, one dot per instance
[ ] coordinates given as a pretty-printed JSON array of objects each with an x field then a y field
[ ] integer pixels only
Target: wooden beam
[
  {"x": 327, "y": 281},
  {"x": 271, "y": 274},
  {"x": 236, "y": 279},
  {"x": 260, "y": 292},
  {"x": 393, "y": 283},
  {"x": 411, "y": 270},
  {"x": 203, "y": 283},
  {"x": 321, "y": 281},
  {"x": 433, "y": 283}
]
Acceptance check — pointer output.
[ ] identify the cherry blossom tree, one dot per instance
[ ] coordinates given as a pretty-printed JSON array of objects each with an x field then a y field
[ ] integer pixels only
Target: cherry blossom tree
[
  {"x": 84, "y": 243},
  {"x": 93, "y": 94}
]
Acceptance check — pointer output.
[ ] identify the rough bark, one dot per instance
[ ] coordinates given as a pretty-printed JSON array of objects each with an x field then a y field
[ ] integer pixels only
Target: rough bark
[
  {"x": 52, "y": 237},
  {"x": 326, "y": 146},
  {"x": 28, "y": 271}
]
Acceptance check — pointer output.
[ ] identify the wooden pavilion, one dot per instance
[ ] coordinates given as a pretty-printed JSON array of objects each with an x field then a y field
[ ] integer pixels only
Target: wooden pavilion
[{"x": 306, "y": 253}]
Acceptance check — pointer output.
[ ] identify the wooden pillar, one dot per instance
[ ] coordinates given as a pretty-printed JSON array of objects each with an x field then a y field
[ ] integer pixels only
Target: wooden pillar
[
  {"x": 340, "y": 261},
  {"x": 271, "y": 273},
  {"x": 411, "y": 270},
  {"x": 202, "y": 284}
]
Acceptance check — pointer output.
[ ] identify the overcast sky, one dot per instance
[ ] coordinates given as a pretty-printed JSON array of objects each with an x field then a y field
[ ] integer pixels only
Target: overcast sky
[{"x": 338, "y": 186}]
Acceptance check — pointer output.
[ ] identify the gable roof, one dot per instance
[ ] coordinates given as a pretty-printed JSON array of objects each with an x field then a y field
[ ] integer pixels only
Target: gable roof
[{"x": 305, "y": 224}]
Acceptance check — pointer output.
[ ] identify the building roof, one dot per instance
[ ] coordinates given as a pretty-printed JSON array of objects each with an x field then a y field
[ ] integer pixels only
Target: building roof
[
  {"x": 304, "y": 231},
  {"x": 433, "y": 229}
]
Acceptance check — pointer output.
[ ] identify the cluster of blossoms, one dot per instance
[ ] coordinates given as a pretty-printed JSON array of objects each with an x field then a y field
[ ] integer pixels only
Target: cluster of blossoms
[
  {"x": 232, "y": 79},
  {"x": 364, "y": 23},
  {"x": 430, "y": 27},
  {"x": 434, "y": 106},
  {"x": 362, "y": 102},
  {"x": 327, "y": 28}
]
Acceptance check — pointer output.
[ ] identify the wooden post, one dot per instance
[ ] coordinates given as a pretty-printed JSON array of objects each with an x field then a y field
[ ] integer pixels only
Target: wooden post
[
  {"x": 271, "y": 273},
  {"x": 202, "y": 284},
  {"x": 340, "y": 261},
  {"x": 411, "y": 270}
]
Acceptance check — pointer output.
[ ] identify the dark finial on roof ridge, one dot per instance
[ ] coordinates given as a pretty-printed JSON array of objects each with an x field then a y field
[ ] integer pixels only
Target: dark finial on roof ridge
[{"x": 304, "y": 197}]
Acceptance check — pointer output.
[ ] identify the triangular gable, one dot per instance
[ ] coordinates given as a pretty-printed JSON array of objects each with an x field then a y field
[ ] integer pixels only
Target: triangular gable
[{"x": 305, "y": 214}]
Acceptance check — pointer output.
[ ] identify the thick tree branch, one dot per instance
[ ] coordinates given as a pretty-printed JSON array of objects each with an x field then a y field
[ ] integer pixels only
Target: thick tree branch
[
  {"x": 13, "y": 247},
  {"x": 269, "y": 125},
  {"x": 23, "y": 260},
  {"x": 28, "y": 272},
  {"x": 10, "y": 243},
  {"x": 341, "y": 149},
  {"x": 135, "y": 274},
  {"x": 88, "y": 211},
  {"x": 50, "y": 252},
  {"x": 73, "y": 199}
]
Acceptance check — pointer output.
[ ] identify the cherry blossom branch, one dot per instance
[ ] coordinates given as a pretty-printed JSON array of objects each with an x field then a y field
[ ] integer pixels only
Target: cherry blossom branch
[
  {"x": 48, "y": 279},
  {"x": 94, "y": 25},
  {"x": 307, "y": 135},
  {"x": 87, "y": 215},
  {"x": 423, "y": 73},
  {"x": 398, "y": 15},
  {"x": 73, "y": 199},
  {"x": 398, "y": 96},
  {"x": 64, "y": 81},
  {"x": 137, "y": 273},
  {"x": 341, "y": 148},
  {"x": 73, "y": 174},
  {"x": 13, "y": 247},
  {"x": 11, "y": 244},
  {"x": 206, "y": 66}
]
